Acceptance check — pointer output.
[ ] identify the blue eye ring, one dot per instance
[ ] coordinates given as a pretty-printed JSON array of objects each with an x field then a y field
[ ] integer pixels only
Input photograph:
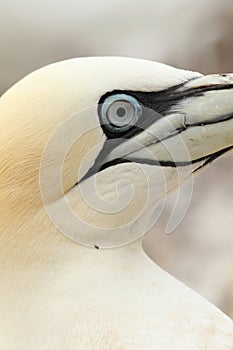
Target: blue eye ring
[{"x": 120, "y": 112}]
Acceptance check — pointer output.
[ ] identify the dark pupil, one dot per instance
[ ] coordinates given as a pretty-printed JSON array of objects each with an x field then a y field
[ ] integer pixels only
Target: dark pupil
[{"x": 121, "y": 112}]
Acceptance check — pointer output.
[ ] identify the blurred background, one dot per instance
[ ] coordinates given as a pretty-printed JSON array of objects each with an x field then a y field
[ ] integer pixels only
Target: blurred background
[{"x": 189, "y": 34}]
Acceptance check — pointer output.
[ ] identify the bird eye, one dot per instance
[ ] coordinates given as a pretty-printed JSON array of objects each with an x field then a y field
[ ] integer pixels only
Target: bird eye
[{"x": 120, "y": 112}]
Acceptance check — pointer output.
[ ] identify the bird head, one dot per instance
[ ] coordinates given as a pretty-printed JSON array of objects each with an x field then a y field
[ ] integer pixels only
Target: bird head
[{"x": 95, "y": 144}]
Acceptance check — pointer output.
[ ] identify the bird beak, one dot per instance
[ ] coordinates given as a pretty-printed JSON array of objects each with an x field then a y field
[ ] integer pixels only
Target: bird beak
[{"x": 195, "y": 127}]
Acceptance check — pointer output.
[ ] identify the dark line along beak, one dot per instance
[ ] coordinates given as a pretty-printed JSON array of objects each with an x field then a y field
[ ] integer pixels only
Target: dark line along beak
[{"x": 196, "y": 126}]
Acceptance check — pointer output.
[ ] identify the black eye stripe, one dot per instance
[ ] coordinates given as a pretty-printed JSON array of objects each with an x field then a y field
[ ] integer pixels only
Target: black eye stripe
[{"x": 156, "y": 105}]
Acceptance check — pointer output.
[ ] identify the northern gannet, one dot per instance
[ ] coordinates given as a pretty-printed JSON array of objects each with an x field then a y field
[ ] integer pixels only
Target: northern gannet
[{"x": 89, "y": 148}]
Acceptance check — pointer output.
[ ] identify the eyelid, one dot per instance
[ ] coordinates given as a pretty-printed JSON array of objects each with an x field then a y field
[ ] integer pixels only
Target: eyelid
[{"x": 108, "y": 102}]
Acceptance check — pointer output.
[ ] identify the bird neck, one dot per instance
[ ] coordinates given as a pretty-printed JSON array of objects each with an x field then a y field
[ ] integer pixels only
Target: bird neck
[{"x": 36, "y": 248}]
